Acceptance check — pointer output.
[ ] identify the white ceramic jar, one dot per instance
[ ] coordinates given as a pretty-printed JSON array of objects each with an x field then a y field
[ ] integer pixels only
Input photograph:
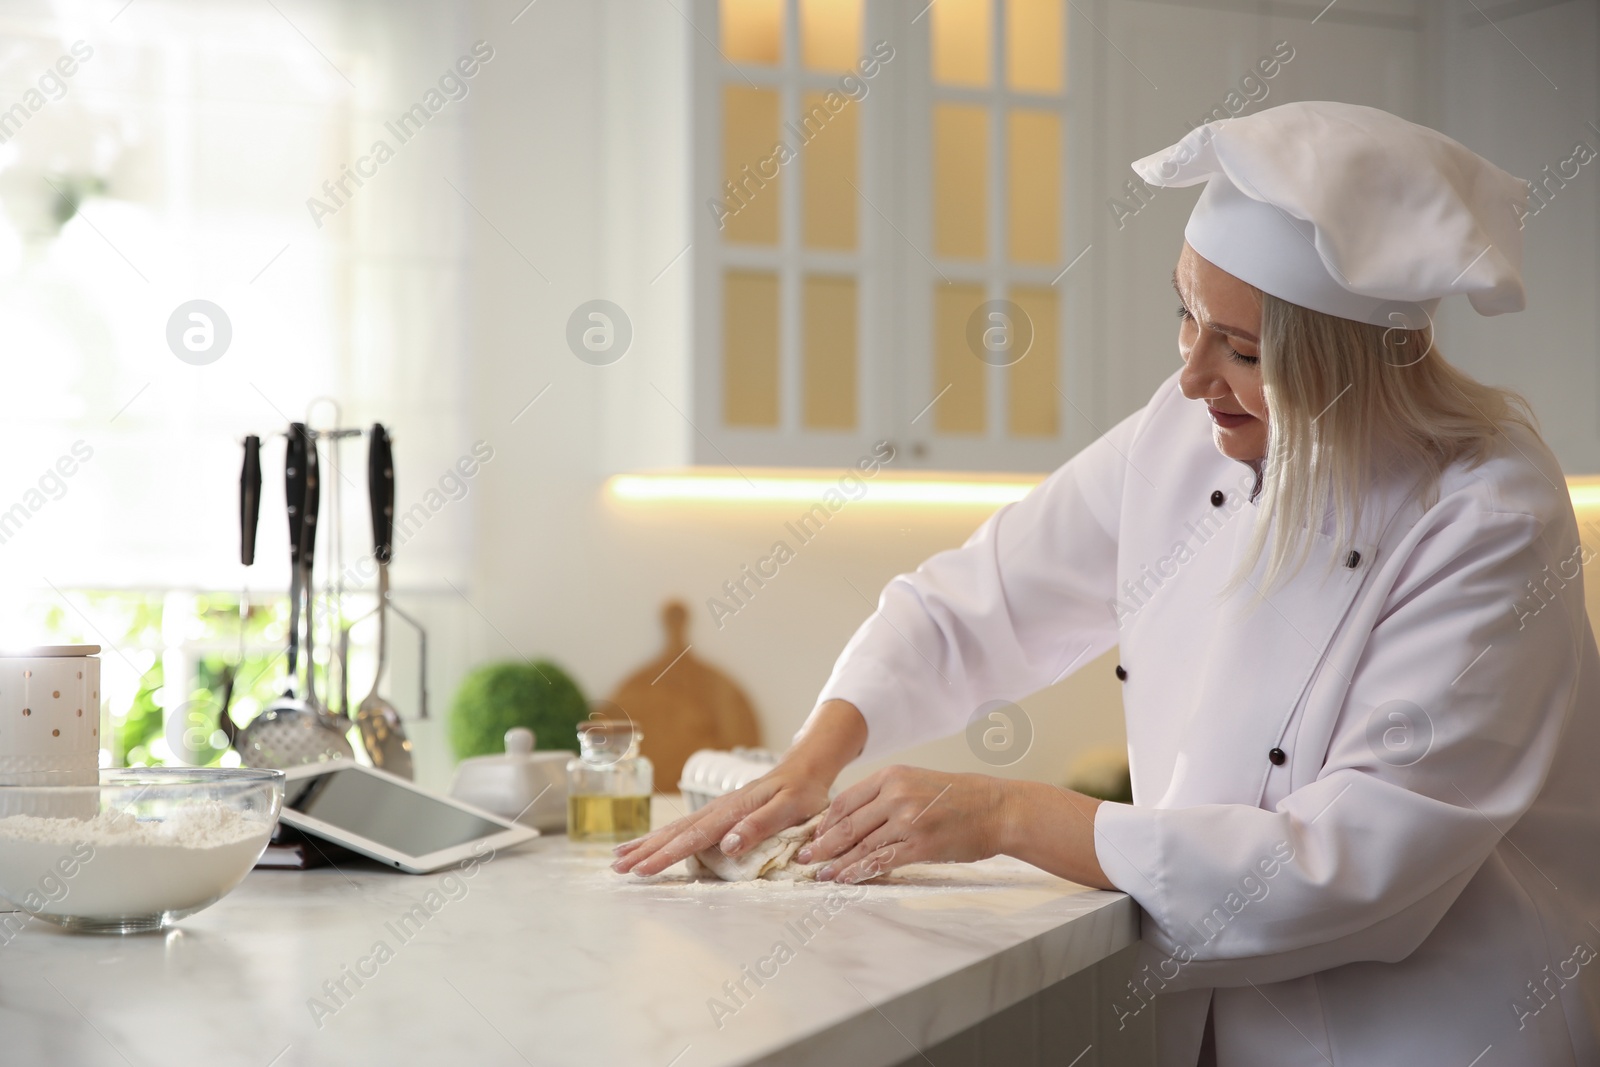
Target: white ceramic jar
[
  {"x": 528, "y": 786},
  {"x": 50, "y": 715}
]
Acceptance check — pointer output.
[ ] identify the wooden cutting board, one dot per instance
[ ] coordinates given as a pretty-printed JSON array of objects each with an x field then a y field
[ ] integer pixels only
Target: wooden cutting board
[{"x": 683, "y": 704}]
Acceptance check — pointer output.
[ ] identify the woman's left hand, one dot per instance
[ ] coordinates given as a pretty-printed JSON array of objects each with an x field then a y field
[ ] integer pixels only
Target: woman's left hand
[{"x": 903, "y": 815}]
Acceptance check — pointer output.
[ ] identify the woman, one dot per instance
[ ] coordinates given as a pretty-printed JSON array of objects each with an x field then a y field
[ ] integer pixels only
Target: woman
[{"x": 1362, "y": 694}]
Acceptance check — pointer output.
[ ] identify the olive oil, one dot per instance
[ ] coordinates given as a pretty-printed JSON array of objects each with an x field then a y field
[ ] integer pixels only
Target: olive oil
[
  {"x": 603, "y": 817},
  {"x": 609, "y": 782}
]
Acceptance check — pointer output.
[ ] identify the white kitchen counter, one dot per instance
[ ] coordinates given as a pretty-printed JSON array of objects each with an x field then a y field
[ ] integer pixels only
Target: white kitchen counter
[{"x": 545, "y": 956}]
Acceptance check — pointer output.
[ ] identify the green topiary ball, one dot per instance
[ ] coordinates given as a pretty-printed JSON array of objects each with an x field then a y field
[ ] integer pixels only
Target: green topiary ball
[{"x": 498, "y": 696}]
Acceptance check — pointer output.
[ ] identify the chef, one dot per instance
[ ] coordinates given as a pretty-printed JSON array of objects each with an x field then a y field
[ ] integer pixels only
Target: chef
[{"x": 1345, "y": 583}]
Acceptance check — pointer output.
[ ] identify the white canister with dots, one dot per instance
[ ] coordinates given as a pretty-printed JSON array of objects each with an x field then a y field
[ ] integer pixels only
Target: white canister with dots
[{"x": 50, "y": 715}]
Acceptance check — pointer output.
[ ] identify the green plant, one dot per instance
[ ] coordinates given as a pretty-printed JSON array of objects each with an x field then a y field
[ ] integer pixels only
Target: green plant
[
  {"x": 143, "y": 722},
  {"x": 498, "y": 696}
]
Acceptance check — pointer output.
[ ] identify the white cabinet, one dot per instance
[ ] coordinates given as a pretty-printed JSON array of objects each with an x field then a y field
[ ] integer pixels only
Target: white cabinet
[{"x": 881, "y": 226}]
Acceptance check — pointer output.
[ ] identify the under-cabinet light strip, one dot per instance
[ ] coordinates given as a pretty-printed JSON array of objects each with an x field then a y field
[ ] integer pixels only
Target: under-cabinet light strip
[
  {"x": 765, "y": 488},
  {"x": 1585, "y": 492},
  {"x": 768, "y": 489}
]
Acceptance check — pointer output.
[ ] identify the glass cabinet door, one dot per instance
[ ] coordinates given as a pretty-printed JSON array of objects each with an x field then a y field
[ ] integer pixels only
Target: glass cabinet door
[
  {"x": 881, "y": 191},
  {"x": 981, "y": 381}
]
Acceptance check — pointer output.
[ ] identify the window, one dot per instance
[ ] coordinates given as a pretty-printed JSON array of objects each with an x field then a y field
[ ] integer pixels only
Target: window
[{"x": 177, "y": 161}]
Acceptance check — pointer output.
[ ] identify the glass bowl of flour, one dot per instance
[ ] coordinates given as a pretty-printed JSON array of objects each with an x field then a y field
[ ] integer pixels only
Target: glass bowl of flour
[{"x": 141, "y": 850}]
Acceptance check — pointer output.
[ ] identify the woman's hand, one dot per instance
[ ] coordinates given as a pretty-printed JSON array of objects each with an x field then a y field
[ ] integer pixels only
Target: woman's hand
[
  {"x": 903, "y": 815},
  {"x": 785, "y": 796}
]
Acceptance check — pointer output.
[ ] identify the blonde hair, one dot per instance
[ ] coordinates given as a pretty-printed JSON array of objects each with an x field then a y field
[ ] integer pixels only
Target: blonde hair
[{"x": 1347, "y": 402}]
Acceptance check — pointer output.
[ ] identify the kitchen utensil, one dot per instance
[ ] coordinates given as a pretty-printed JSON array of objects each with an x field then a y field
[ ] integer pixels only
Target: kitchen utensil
[
  {"x": 394, "y": 608},
  {"x": 342, "y": 655},
  {"x": 294, "y": 494},
  {"x": 249, "y": 520},
  {"x": 523, "y": 785},
  {"x": 422, "y": 657},
  {"x": 308, "y": 549},
  {"x": 310, "y": 514},
  {"x": 683, "y": 704},
  {"x": 336, "y": 680},
  {"x": 288, "y": 732},
  {"x": 338, "y": 629},
  {"x": 381, "y": 732}
]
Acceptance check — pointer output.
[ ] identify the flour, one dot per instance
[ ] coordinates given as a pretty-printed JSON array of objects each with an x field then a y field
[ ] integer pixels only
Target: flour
[
  {"x": 911, "y": 880},
  {"x": 998, "y": 873},
  {"x": 203, "y": 825},
  {"x": 115, "y": 865}
]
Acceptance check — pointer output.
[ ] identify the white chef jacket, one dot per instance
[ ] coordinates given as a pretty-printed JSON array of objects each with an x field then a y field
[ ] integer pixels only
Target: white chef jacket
[{"x": 1366, "y": 817}]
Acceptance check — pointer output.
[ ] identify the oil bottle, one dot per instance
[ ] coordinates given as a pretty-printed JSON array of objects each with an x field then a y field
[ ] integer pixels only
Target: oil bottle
[{"x": 608, "y": 783}]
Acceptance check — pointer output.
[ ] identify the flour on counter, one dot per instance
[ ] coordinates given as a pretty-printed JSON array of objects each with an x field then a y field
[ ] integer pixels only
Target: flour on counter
[
  {"x": 912, "y": 880},
  {"x": 999, "y": 873}
]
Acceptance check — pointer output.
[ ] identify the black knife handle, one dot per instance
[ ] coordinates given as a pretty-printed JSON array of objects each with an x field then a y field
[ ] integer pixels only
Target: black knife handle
[
  {"x": 308, "y": 537},
  {"x": 294, "y": 486},
  {"x": 380, "y": 487},
  {"x": 249, "y": 499}
]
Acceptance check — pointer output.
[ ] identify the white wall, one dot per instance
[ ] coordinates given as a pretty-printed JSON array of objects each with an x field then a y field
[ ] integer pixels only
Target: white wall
[{"x": 1524, "y": 92}]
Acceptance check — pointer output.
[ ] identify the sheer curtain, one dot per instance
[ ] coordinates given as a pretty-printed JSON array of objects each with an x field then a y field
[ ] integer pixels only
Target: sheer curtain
[{"x": 186, "y": 144}]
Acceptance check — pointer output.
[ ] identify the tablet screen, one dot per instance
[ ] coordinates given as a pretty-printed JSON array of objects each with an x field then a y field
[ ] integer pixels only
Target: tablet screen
[{"x": 398, "y": 818}]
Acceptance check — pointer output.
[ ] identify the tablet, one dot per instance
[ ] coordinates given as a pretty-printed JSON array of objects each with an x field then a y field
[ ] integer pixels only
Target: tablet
[{"x": 391, "y": 820}]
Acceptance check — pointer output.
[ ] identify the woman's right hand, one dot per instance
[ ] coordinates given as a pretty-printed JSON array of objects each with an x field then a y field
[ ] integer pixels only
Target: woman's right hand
[
  {"x": 787, "y": 795},
  {"x": 783, "y": 797}
]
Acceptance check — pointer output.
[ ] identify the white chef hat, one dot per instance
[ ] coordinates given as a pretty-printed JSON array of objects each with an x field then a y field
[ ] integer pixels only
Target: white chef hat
[{"x": 1350, "y": 211}]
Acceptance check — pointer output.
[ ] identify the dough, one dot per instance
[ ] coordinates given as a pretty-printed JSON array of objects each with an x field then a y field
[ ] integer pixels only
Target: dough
[{"x": 772, "y": 859}]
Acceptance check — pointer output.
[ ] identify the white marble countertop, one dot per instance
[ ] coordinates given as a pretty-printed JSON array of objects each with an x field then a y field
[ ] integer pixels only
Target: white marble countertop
[{"x": 544, "y": 956}]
